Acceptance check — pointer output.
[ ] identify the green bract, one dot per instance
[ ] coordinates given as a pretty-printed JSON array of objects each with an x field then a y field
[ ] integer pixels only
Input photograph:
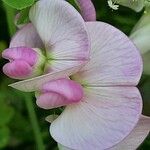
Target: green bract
[{"x": 19, "y": 4}]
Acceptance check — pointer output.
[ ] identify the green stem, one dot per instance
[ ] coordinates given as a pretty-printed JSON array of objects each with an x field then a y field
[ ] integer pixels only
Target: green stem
[
  {"x": 10, "y": 15},
  {"x": 34, "y": 122}
]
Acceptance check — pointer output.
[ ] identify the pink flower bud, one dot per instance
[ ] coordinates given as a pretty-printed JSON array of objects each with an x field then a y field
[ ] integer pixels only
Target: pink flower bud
[
  {"x": 61, "y": 92},
  {"x": 24, "y": 62}
]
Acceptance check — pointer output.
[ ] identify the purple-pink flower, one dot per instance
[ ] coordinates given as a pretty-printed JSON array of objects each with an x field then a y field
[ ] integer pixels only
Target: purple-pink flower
[{"x": 102, "y": 106}]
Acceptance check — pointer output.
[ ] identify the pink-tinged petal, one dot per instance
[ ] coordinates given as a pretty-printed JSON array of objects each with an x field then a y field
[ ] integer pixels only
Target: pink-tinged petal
[
  {"x": 51, "y": 100},
  {"x": 17, "y": 69},
  {"x": 23, "y": 53},
  {"x": 26, "y": 36},
  {"x": 136, "y": 137},
  {"x": 133, "y": 140},
  {"x": 87, "y": 9},
  {"x": 34, "y": 84},
  {"x": 104, "y": 118},
  {"x": 57, "y": 93},
  {"x": 61, "y": 28},
  {"x": 114, "y": 58}
]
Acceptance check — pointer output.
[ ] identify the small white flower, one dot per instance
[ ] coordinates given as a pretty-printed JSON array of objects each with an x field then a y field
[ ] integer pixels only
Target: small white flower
[{"x": 113, "y": 5}]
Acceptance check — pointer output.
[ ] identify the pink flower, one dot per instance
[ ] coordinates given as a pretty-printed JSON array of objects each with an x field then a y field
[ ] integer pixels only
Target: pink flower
[
  {"x": 103, "y": 106},
  {"x": 61, "y": 38}
]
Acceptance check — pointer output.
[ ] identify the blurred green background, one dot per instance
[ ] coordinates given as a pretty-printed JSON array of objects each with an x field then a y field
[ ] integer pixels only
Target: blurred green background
[{"x": 22, "y": 123}]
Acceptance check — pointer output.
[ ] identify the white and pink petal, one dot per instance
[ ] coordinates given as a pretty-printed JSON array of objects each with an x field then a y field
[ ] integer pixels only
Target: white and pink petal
[
  {"x": 114, "y": 58},
  {"x": 35, "y": 84},
  {"x": 103, "y": 119},
  {"x": 136, "y": 137},
  {"x": 61, "y": 29},
  {"x": 26, "y": 36}
]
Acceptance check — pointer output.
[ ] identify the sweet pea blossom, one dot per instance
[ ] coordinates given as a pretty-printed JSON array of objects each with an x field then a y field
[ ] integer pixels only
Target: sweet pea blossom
[
  {"x": 102, "y": 103},
  {"x": 61, "y": 39},
  {"x": 102, "y": 106},
  {"x": 141, "y": 37}
]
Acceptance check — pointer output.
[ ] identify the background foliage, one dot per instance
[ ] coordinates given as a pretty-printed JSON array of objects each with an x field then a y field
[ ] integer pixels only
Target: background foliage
[{"x": 22, "y": 123}]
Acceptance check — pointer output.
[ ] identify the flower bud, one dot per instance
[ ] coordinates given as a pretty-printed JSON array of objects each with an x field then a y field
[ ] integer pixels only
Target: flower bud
[
  {"x": 60, "y": 92},
  {"x": 23, "y": 63}
]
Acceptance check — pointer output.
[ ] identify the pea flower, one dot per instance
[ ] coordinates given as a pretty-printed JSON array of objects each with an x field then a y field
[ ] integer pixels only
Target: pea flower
[
  {"x": 56, "y": 38},
  {"x": 102, "y": 106},
  {"x": 141, "y": 37}
]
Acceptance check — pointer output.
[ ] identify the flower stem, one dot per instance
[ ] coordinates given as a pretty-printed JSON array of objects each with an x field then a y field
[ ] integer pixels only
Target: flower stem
[
  {"x": 34, "y": 122},
  {"x": 10, "y": 15}
]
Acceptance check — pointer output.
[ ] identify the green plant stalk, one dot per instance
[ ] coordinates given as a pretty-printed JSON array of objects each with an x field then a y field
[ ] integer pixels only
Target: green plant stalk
[
  {"x": 10, "y": 15},
  {"x": 34, "y": 122}
]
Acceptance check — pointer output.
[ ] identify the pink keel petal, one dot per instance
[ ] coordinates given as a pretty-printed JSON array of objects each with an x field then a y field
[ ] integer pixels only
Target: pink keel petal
[
  {"x": 87, "y": 10},
  {"x": 66, "y": 87},
  {"x": 17, "y": 69},
  {"x": 51, "y": 100},
  {"x": 22, "y": 53},
  {"x": 104, "y": 117},
  {"x": 114, "y": 58},
  {"x": 58, "y": 93}
]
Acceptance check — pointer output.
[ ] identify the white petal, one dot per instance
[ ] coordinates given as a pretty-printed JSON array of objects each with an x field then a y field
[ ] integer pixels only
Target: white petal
[
  {"x": 35, "y": 84},
  {"x": 26, "y": 36},
  {"x": 114, "y": 58},
  {"x": 61, "y": 28},
  {"x": 136, "y": 137},
  {"x": 104, "y": 118}
]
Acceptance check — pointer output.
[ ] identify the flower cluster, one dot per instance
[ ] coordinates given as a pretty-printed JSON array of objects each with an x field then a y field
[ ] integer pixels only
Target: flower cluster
[{"x": 90, "y": 68}]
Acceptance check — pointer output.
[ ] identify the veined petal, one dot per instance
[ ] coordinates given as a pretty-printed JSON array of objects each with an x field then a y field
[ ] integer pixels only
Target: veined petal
[
  {"x": 34, "y": 84},
  {"x": 59, "y": 65},
  {"x": 61, "y": 28},
  {"x": 136, "y": 137},
  {"x": 26, "y": 36},
  {"x": 104, "y": 118},
  {"x": 114, "y": 58}
]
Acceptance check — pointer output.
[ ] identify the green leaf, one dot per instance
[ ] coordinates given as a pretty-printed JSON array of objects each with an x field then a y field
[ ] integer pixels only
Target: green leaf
[
  {"x": 4, "y": 136},
  {"x": 24, "y": 16},
  {"x": 6, "y": 114},
  {"x": 3, "y": 45},
  {"x": 19, "y": 4}
]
